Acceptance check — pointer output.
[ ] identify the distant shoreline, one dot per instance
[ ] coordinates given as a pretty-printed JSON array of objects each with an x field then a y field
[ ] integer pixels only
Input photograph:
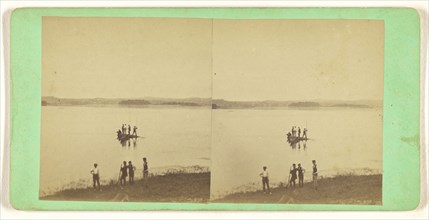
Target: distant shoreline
[{"x": 208, "y": 103}]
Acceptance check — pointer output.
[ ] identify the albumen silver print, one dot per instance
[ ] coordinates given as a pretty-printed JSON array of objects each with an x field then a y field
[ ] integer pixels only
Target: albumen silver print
[{"x": 212, "y": 110}]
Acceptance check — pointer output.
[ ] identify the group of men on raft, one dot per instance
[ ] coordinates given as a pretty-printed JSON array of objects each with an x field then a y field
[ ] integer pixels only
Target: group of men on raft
[
  {"x": 294, "y": 131},
  {"x": 124, "y": 129}
]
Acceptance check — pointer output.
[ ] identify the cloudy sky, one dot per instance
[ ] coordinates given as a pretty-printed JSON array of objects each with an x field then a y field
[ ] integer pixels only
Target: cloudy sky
[{"x": 229, "y": 59}]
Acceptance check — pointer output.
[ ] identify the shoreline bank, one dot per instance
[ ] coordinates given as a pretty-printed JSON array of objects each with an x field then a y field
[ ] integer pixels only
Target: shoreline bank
[
  {"x": 341, "y": 189},
  {"x": 195, "y": 188},
  {"x": 171, "y": 187}
]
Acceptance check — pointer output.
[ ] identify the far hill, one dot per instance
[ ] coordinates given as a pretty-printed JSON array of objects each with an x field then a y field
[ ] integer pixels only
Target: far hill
[
  {"x": 225, "y": 104},
  {"x": 207, "y": 102},
  {"x": 50, "y": 100},
  {"x": 144, "y": 102},
  {"x": 304, "y": 104}
]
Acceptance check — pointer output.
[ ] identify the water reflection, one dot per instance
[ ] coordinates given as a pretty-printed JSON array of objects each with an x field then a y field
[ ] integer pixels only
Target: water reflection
[
  {"x": 297, "y": 145},
  {"x": 134, "y": 142},
  {"x": 294, "y": 138},
  {"x": 126, "y": 143}
]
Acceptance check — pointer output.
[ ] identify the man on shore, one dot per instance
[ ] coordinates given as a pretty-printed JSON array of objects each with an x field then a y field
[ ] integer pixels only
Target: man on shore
[
  {"x": 131, "y": 169},
  {"x": 123, "y": 171},
  {"x": 314, "y": 174},
  {"x": 293, "y": 175},
  {"x": 145, "y": 168},
  {"x": 301, "y": 172},
  {"x": 265, "y": 180},
  {"x": 95, "y": 176}
]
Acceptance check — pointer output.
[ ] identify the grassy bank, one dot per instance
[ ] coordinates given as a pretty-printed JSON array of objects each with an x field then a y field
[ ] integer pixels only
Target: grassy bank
[
  {"x": 175, "y": 187},
  {"x": 344, "y": 189}
]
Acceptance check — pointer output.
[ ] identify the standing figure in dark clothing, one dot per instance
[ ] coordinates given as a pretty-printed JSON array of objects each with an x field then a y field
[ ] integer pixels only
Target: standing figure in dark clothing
[
  {"x": 299, "y": 132},
  {"x": 129, "y": 129},
  {"x": 123, "y": 129},
  {"x": 288, "y": 136},
  {"x": 123, "y": 172},
  {"x": 135, "y": 130},
  {"x": 131, "y": 169},
  {"x": 145, "y": 168},
  {"x": 304, "y": 134},
  {"x": 293, "y": 175},
  {"x": 293, "y": 131},
  {"x": 314, "y": 174},
  {"x": 301, "y": 172}
]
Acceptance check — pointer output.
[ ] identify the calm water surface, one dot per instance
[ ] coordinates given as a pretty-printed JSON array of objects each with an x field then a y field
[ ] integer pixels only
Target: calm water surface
[
  {"x": 342, "y": 140},
  {"x": 235, "y": 144},
  {"x": 73, "y": 138}
]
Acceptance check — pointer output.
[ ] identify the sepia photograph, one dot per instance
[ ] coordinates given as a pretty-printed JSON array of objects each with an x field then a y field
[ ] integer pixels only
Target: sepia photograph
[
  {"x": 192, "y": 110},
  {"x": 126, "y": 109},
  {"x": 297, "y": 111}
]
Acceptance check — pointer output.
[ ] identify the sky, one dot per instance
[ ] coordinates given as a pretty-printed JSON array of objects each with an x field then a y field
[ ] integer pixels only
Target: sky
[
  {"x": 298, "y": 59},
  {"x": 126, "y": 57},
  {"x": 223, "y": 59}
]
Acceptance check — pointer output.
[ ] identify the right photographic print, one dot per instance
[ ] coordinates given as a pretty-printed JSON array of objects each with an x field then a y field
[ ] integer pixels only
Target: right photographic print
[{"x": 297, "y": 111}]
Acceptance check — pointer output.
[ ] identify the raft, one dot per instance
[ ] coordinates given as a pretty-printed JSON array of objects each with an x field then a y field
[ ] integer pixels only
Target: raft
[
  {"x": 124, "y": 137},
  {"x": 295, "y": 139}
]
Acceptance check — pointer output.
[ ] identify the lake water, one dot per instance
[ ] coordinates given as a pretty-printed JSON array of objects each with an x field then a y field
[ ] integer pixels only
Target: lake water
[
  {"x": 73, "y": 138},
  {"x": 342, "y": 140},
  {"x": 235, "y": 146}
]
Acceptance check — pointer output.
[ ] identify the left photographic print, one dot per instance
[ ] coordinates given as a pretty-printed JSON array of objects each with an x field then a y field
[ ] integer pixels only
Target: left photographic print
[{"x": 126, "y": 109}]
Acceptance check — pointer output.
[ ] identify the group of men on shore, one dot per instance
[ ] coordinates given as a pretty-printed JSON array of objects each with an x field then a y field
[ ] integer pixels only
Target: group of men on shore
[
  {"x": 126, "y": 170},
  {"x": 294, "y": 173},
  {"x": 131, "y": 168}
]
